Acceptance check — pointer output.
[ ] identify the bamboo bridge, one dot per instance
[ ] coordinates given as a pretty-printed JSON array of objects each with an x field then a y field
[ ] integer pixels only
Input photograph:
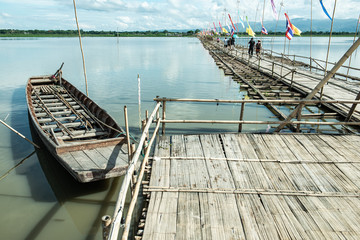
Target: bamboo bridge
[{"x": 277, "y": 185}]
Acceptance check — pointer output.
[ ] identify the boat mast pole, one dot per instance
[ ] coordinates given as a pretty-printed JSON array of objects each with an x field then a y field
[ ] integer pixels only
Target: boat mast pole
[
  {"x": 328, "y": 50},
  {"x": 356, "y": 32},
  {"x": 82, "y": 52}
]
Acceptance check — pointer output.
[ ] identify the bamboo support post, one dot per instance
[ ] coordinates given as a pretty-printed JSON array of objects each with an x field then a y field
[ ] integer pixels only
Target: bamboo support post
[
  {"x": 292, "y": 78},
  {"x": 241, "y": 116},
  {"x": 105, "y": 223},
  {"x": 127, "y": 133},
  {"x": 272, "y": 69},
  {"x": 120, "y": 203},
  {"x": 12, "y": 129},
  {"x": 352, "y": 109},
  {"x": 163, "y": 116}
]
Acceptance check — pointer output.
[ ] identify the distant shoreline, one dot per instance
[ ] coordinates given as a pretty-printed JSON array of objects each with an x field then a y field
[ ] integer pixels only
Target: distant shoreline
[{"x": 165, "y": 33}]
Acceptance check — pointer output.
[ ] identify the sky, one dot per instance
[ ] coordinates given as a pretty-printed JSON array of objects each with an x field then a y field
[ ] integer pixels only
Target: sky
[{"x": 121, "y": 15}]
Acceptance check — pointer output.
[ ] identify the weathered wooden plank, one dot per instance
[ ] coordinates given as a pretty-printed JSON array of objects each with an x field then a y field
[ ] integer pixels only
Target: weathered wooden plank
[
  {"x": 219, "y": 171},
  {"x": 84, "y": 161},
  {"x": 160, "y": 174},
  {"x": 179, "y": 169},
  {"x": 198, "y": 173},
  {"x": 188, "y": 224}
]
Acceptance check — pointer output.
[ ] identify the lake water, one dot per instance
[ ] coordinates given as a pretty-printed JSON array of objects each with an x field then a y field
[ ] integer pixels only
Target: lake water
[{"x": 39, "y": 200}]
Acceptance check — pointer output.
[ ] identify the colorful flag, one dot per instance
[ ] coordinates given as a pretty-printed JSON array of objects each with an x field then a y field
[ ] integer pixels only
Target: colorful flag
[
  {"x": 296, "y": 30},
  {"x": 327, "y": 14},
  {"x": 214, "y": 27},
  {"x": 248, "y": 29},
  {"x": 232, "y": 23},
  {"x": 232, "y": 32},
  {"x": 220, "y": 26},
  {"x": 274, "y": 9},
  {"x": 289, "y": 28},
  {"x": 224, "y": 30},
  {"x": 263, "y": 29}
]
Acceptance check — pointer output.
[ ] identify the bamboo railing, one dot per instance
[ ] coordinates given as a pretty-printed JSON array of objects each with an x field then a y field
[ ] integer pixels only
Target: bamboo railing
[{"x": 240, "y": 122}]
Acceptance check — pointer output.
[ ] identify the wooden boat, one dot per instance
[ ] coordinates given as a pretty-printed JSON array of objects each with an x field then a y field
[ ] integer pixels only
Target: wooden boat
[{"x": 80, "y": 135}]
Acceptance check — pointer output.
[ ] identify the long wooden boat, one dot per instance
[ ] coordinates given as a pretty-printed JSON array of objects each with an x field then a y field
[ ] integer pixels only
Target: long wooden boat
[{"x": 80, "y": 135}]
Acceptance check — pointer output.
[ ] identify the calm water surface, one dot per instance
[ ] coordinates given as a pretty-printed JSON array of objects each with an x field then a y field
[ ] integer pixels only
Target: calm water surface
[{"x": 39, "y": 200}]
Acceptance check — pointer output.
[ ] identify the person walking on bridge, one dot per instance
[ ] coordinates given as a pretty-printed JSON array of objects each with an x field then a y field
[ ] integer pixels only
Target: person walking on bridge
[
  {"x": 251, "y": 46},
  {"x": 258, "y": 48}
]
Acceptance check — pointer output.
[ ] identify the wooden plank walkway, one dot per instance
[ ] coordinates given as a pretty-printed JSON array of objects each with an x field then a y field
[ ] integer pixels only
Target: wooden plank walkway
[
  {"x": 254, "y": 186},
  {"x": 335, "y": 89}
]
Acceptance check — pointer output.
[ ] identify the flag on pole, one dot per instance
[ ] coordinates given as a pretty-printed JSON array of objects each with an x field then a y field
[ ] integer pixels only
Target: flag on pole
[
  {"x": 289, "y": 28},
  {"x": 214, "y": 27},
  {"x": 263, "y": 29},
  {"x": 220, "y": 26},
  {"x": 296, "y": 30},
  {"x": 248, "y": 29},
  {"x": 324, "y": 9},
  {"x": 224, "y": 30},
  {"x": 232, "y": 24},
  {"x": 274, "y": 9}
]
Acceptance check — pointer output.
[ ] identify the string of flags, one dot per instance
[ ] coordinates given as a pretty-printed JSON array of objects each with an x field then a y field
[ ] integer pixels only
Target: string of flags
[{"x": 291, "y": 29}]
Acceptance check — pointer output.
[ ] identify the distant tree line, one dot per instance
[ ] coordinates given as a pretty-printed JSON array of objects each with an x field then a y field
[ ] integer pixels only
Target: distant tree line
[{"x": 73, "y": 33}]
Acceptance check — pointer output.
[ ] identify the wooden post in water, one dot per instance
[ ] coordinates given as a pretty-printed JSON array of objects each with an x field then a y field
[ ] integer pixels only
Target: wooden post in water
[
  {"x": 321, "y": 84},
  {"x": 105, "y": 223},
  {"x": 163, "y": 117},
  {"x": 241, "y": 116},
  {"x": 127, "y": 134}
]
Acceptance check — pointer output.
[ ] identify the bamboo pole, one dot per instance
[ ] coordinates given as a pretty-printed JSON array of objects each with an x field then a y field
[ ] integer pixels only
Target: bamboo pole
[
  {"x": 277, "y": 21},
  {"x": 310, "y": 35},
  {"x": 120, "y": 203},
  {"x": 137, "y": 187},
  {"x": 127, "y": 134},
  {"x": 241, "y": 116},
  {"x": 328, "y": 50},
  {"x": 258, "y": 122},
  {"x": 163, "y": 116},
  {"x": 278, "y": 101},
  {"x": 322, "y": 83},
  {"x": 12, "y": 129},
  {"x": 356, "y": 32},
  {"x": 18, "y": 164},
  {"x": 82, "y": 52}
]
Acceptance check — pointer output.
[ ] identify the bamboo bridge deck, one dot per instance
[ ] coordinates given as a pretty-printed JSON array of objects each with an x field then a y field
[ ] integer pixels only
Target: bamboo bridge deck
[
  {"x": 295, "y": 78},
  {"x": 254, "y": 186}
]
